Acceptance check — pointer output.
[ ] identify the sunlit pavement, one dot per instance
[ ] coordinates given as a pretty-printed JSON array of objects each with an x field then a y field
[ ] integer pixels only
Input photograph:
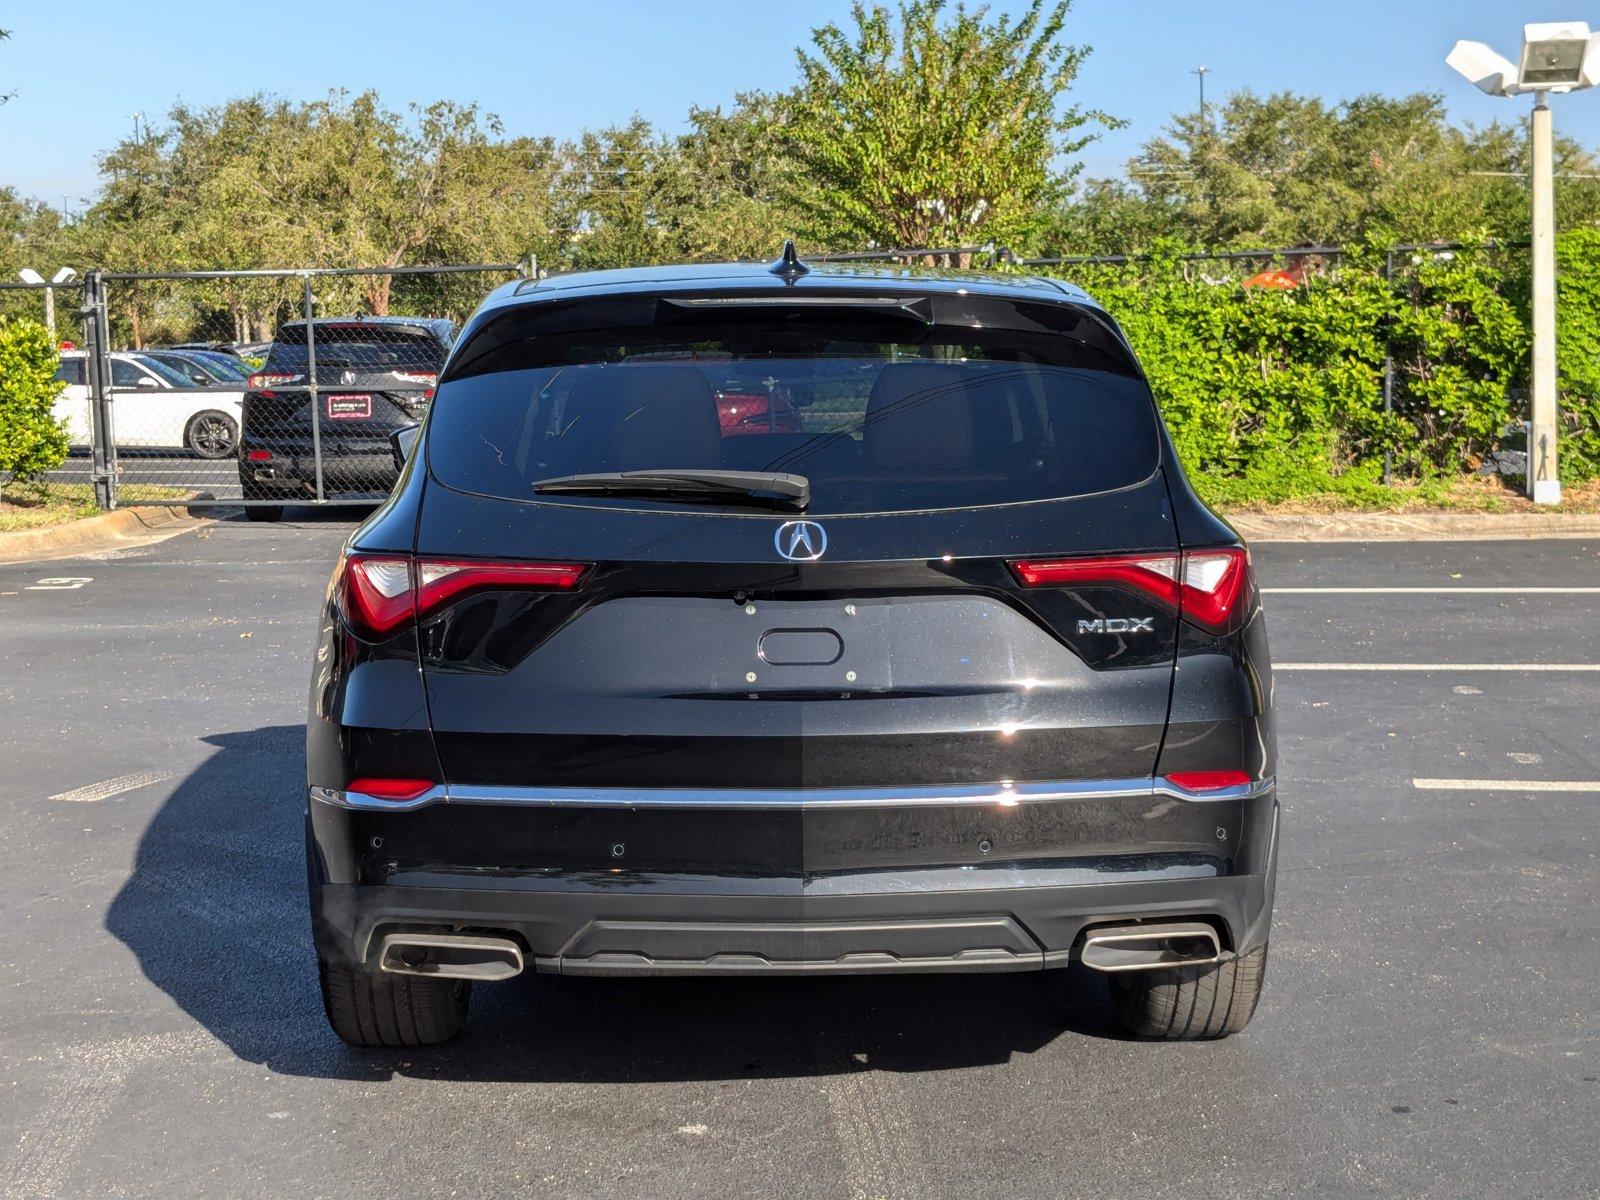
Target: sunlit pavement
[{"x": 1429, "y": 1026}]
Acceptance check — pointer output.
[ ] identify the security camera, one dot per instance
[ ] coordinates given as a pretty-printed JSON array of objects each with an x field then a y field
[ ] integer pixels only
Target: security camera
[{"x": 1489, "y": 72}]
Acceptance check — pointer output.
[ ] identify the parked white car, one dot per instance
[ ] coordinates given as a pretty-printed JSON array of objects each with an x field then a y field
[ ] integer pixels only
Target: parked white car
[{"x": 152, "y": 406}]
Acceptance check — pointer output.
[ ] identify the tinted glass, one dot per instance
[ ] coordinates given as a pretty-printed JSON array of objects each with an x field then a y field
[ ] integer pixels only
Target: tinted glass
[
  {"x": 70, "y": 371},
  {"x": 172, "y": 375},
  {"x": 217, "y": 368},
  {"x": 368, "y": 347},
  {"x": 125, "y": 375},
  {"x": 951, "y": 419},
  {"x": 221, "y": 366},
  {"x": 181, "y": 364}
]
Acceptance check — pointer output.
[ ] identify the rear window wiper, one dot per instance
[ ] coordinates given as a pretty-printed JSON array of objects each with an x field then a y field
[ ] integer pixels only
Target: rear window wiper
[{"x": 776, "y": 489}]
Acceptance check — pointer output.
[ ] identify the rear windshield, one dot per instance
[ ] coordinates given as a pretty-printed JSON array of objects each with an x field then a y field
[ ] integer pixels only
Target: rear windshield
[
  {"x": 373, "y": 348},
  {"x": 223, "y": 366},
  {"x": 945, "y": 418}
]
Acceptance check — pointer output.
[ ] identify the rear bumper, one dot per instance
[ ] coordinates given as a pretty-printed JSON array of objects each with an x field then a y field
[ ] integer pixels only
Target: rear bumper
[
  {"x": 982, "y": 916},
  {"x": 597, "y": 930},
  {"x": 362, "y": 465}
]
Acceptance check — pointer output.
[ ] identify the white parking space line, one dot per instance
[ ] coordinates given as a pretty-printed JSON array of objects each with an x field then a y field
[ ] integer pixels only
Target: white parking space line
[
  {"x": 1507, "y": 785},
  {"x": 108, "y": 788},
  {"x": 1352, "y": 666},
  {"x": 1430, "y": 591}
]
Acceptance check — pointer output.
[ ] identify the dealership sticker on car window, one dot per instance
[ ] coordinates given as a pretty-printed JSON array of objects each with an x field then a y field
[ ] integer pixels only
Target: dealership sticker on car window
[{"x": 349, "y": 407}]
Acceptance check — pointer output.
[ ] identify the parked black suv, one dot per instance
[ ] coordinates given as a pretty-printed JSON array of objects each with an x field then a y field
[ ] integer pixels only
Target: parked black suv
[
  {"x": 373, "y": 375},
  {"x": 958, "y": 675}
]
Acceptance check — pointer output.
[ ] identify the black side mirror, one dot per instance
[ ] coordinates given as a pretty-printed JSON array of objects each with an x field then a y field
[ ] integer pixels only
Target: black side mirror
[{"x": 402, "y": 441}]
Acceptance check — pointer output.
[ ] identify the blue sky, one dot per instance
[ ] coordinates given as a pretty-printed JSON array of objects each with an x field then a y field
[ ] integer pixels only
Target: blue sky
[{"x": 80, "y": 70}]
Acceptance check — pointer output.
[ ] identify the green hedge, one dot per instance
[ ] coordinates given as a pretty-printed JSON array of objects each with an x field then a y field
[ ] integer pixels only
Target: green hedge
[
  {"x": 32, "y": 441},
  {"x": 1273, "y": 395}
]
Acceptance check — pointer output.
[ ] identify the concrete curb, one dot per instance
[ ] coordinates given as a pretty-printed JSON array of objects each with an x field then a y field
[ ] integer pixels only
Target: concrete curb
[
  {"x": 1412, "y": 527},
  {"x": 117, "y": 530}
]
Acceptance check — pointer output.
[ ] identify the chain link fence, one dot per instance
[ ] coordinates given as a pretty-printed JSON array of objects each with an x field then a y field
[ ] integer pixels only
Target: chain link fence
[
  {"x": 254, "y": 388},
  {"x": 266, "y": 388}
]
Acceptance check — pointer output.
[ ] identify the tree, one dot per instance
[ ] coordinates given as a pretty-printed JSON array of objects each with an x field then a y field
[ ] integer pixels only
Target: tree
[
  {"x": 30, "y": 236},
  {"x": 394, "y": 192},
  {"x": 916, "y": 130},
  {"x": 339, "y": 182},
  {"x": 1284, "y": 169},
  {"x": 726, "y": 195},
  {"x": 632, "y": 195},
  {"x": 134, "y": 226},
  {"x": 608, "y": 187}
]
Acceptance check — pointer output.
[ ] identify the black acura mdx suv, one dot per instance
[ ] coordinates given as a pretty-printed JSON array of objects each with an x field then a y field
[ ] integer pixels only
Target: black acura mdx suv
[
  {"x": 953, "y": 672},
  {"x": 373, "y": 375}
]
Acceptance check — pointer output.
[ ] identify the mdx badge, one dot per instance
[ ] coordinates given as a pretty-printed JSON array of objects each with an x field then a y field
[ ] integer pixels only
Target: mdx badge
[
  {"x": 800, "y": 541},
  {"x": 1118, "y": 625}
]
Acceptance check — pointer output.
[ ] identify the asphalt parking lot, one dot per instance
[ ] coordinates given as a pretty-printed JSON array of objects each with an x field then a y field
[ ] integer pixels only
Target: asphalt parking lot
[{"x": 1429, "y": 1026}]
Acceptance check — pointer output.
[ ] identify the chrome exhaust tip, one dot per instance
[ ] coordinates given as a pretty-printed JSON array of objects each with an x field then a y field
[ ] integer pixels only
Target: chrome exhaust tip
[
  {"x": 450, "y": 956},
  {"x": 1151, "y": 947}
]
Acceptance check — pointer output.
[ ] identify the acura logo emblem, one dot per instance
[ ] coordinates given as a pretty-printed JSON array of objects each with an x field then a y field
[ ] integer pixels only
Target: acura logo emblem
[{"x": 801, "y": 541}]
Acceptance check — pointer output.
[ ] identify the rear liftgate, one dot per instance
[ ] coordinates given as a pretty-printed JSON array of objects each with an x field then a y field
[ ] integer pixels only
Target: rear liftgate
[{"x": 822, "y": 737}]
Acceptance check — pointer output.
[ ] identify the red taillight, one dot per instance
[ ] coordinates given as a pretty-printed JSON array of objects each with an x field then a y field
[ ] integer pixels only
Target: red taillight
[
  {"x": 441, "y": 580},
  {"x": 390, "y": 789},
  {"x": 384, "y": 592},
  {"x": 1216, "y": 587},
  {"x": 259, "y": 455},
  {"x": 378, "y": 594},
  {"x": 1154, "y": 574},
  {"x": 263, "y": 380},
  {"x": 1208, "y": 587},
  {"x": 1207, "y": 781},
  {"x": 429, "y": 380}
]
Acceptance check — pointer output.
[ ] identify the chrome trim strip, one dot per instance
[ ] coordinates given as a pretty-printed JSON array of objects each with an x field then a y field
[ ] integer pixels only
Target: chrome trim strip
[
  {"x": 1242, "y": 791},
  {"x": 1003, "y": 795},
  {"x": 982, "y": 795},
  {"x": 360, "y": 801}
]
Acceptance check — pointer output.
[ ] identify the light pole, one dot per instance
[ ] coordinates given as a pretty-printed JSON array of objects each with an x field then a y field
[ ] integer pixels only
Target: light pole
[
  {"x": 64, "y": 276},
  {"x": 1561, "y": 56}
]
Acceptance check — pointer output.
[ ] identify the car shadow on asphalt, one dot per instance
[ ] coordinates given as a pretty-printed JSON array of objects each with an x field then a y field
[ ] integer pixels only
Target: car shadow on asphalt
[
  {"x": 296, "y": 514},
  {"x": 215, "y": 912}
]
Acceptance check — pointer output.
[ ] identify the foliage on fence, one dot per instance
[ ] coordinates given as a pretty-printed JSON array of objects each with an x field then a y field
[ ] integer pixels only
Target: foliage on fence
[
  {"x": 1578, "y": 351},
  {"x": 1278, "y": 394},
  {"x": 32, "y": 441}
]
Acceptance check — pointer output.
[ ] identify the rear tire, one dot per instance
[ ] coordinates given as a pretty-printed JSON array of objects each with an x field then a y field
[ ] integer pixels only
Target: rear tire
[
  {"x": 212, "y": 434},
  {"x": 1191, "y": 1003},
  {"x": 368, "y": 1008},
  {"x": 263, "y": 512}
]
